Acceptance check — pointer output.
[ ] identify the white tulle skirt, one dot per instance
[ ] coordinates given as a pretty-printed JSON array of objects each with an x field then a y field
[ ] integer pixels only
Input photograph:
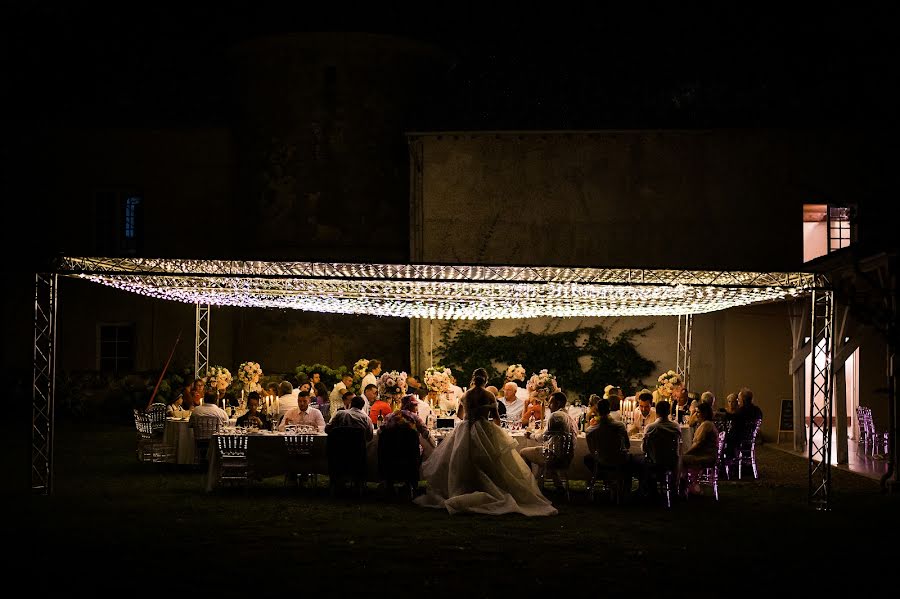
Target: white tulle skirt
[{"x": 477, "y": 469}]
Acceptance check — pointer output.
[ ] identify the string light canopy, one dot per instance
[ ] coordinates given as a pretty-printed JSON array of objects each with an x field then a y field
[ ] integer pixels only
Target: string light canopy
[{"x": 439, "y": 291}]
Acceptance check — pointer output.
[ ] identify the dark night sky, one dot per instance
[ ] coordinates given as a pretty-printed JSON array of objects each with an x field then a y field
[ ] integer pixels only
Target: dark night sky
[{"x": 155, "y": 64}]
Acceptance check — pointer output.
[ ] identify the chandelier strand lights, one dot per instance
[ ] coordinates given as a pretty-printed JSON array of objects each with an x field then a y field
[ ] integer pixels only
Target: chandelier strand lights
[{"x": 440, "y": 291}]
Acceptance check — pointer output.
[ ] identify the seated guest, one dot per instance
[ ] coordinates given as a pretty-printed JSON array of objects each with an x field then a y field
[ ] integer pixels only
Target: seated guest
[
  {"x": 742, "y": 421},
  {"x": 408, "y": 417},
  {"x": 369, "y": 394},
  {"x": 253, "y": 417},
  {"x": 660, "y": 438},
  {"x": 705, "y": 397},
  {"x": 352, "y": 417},
  {"x": 209, "y": 408},
  {"x": 660, "y": 448},
  {"x": 175, "y": 406},
  {"x": 703, "y": 450},
  {"x": 379, "y": 408},
  {"x": 286, "y": 401},
  {"x": 680, "y": 403},
  {"x": 198, "y": 391},
  {"x": 643, "y": 415},
  {"x": 501, "y": 407},
  {"x": 303, "y": 414},
  {"x": 416, "y": 388},
  {"x": 607, "y": 439},
  {"x": 535, "y": 407},
  {"x": 558, "y": 422},
  {"x": 511, "y": 402},
  {"x": 608, "y": 444},
  {"x": 347, "y": 401}
]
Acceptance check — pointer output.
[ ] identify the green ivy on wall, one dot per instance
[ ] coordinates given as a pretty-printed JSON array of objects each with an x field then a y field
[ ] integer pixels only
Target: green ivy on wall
[{"x": 613, "y": 361}]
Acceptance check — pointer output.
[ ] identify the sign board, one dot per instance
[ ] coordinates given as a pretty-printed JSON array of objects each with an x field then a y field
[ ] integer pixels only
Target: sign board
[{"x": 786, "y": 418}]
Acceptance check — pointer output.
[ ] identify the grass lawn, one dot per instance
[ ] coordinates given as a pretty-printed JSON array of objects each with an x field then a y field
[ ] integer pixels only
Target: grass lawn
[{"x": 114, "y": 525}]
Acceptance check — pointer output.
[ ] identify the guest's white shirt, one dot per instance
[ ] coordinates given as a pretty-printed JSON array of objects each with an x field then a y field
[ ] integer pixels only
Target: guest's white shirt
[
  {"x": 640, "y": 422},
  {"x": 287, "y": 403},
  {"x": 336, "y": 398},
  {"x": 369, "y": 379},
  {"x": 211, "y": 409},
  {"x": 311, "y": 417},
  {"x": 514, "y": 408},
  {"x": 522, "y": 393},
  {"x": 457, "y": 392}
]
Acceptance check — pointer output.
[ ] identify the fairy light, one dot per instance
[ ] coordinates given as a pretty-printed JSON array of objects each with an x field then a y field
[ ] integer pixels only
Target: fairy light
[{"x": 439, "y": 291}]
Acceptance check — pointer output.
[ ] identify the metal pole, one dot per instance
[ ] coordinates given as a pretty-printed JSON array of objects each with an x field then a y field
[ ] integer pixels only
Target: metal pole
[{"x": 43, "y": 387}]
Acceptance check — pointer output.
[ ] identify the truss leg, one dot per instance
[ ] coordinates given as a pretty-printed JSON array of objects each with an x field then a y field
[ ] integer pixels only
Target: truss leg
[
  {"x": 201, "y": 341},
  {"x": 820, "y": 401},
  {"x": 683, "y": 352},
  {"x": 43, "y": 383}
]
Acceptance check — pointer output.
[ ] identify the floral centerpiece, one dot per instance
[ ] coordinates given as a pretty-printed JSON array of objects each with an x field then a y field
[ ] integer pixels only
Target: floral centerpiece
[
  {"x": 391, "y": 385},
  {"x": 218, "y": 377},
  {"x": 542, "y": 384},
  {"x": 437, "y": 379},
  {"x": 248, "y": 374},
  {"x": 515, "y": 372},
  {"x": 360, "y": 368},
  {"x": 667, "y": 382}
]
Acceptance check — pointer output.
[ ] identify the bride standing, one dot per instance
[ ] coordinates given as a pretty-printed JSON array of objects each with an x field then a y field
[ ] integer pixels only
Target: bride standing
[{"x": 477, "y": 468}]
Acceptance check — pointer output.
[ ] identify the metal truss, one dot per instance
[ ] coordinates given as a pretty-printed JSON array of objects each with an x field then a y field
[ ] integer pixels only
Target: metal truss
[
  {"x": 201, "y": 340},
  {"x": 683, "y": 353},
  {"x": 43, "y": 383},
  {"x": 820, "y": 400}
]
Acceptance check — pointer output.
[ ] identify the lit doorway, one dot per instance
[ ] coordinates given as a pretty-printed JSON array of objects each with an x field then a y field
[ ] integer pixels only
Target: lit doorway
[{"x": 851, "y": 379}]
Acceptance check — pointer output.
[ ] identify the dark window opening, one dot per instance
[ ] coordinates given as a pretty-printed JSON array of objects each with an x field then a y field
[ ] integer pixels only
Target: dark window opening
[
  {"x": 115, "y": 347},
  {"x": 119, "y": 223}
]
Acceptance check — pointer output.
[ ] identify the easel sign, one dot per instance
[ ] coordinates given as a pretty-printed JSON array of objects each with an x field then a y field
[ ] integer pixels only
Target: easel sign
[{"x": 786, "y": 418}]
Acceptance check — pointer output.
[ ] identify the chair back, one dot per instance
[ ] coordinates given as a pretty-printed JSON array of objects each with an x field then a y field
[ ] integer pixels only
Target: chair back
[
  {"x": 232, "y": 446},
  {"x": 662, "y": 449},
  {"x": 158, "y": 413},
  {"x": 559, "y": 449},
  {"x": 143, "y": 424},
  {"x": 750, "y": 433},
  {"x": 346, "y": 451},
  {"x": 204, "y": 427},
  {"x": 608, "y": 449},
  {"x": 299, "y": 445},
  {"x": 399, "y": 457}
]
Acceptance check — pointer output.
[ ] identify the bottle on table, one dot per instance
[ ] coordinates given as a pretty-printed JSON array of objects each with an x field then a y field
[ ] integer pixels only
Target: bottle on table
[{"x": 379, "y": 421}]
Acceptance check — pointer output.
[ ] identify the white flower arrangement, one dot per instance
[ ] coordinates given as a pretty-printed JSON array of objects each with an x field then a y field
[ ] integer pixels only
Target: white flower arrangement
[
  {"x": 248, "y": 374},
  {"x": 515, "y": 372},
  {"x": 360, "y": 369},
  {"x": 667, "y": 382},
  {"x": 218, "y": 377},
  {"x": 542, "y": 384},
  {"x": 438, "y": 379},
  {"x": 391, "y": 384}
]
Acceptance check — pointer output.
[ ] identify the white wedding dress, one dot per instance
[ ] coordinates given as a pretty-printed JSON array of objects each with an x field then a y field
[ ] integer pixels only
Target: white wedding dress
[{"x": 477, "y": 469}]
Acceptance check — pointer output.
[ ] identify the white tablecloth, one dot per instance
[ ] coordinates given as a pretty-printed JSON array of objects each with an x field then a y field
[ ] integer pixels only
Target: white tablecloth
[{"x": 180, "y": 434}]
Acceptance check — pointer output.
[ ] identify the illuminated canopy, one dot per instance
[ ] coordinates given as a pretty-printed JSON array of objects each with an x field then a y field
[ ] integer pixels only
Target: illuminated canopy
[{"x": 439, "y": 291}]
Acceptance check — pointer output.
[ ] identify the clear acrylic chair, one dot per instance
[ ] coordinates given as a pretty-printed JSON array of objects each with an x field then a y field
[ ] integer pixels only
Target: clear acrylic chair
[
  {"x": 709, "y": 475},
  {"x": 300, "y": 453},
  {"x": 150, "y": 447},
  {"x": 559, "y": 449},
  {"x": 233, "y": 464},
  {"x": 745, "y": 452},
  {"x": 204, "y": 428}
]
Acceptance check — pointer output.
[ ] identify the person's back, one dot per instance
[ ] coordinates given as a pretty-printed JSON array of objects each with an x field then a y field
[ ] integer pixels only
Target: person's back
[
  {"x": 353, "y": 417},
  {"x": 661, "y": 439},
  {"x": 608, "y": 440}
]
